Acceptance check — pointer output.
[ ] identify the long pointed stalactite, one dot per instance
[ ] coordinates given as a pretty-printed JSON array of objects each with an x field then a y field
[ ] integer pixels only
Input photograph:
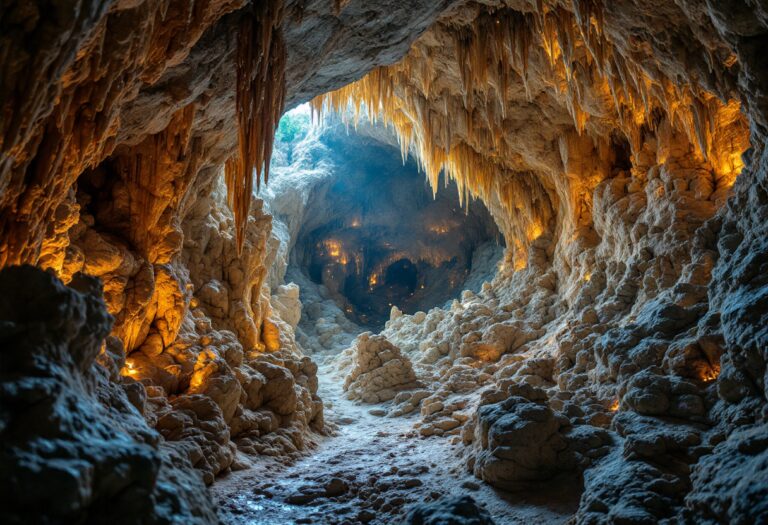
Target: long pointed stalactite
[{"x": 260, "y": 97}]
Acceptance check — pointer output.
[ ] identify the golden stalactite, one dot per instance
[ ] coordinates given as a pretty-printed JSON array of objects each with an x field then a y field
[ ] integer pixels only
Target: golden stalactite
[
  {"x": 727, "y": 144},
  {"x": 260, "y": 98},
  {"x": 468, "y": 136},
  {"x": 63, "y": 119}
]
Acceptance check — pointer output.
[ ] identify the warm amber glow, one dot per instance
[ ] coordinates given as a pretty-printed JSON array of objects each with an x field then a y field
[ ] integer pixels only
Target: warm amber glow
[
  {"x": 728, "y": 145},
  {"x": 534, "y": 231},
  {"x": 710, "y": 373},
  {"x": 614, "y": 405},
  {"x": 587, "y": 276},
  {"x": 333, "y": 247},
  {"x": 335, "y": 250},
  {"x": 467, "y": 135},
  {"x": 439, "y": 229}
]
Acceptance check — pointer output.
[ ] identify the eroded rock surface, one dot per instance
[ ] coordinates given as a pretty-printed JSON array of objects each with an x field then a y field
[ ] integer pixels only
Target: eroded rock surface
[
  {"x": 620, "y": 147},
  {"x": 378, "y": 370},
  {"x": 457, "y": 511},
  {"x": 71, "y": 420}
]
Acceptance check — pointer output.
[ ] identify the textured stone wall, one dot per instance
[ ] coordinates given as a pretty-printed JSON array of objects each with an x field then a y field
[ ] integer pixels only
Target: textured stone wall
[{"x": 117, "y": 117}]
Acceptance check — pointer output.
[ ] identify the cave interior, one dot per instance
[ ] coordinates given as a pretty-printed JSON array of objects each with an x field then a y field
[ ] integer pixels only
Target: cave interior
[
  {"x": 461, "y": 262},
  {"x": 376, "y": 236}
]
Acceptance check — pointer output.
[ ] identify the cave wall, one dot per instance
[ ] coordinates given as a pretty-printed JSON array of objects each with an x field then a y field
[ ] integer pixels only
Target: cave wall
[
  {"x": 349, "y": 208},
  {"x": 621, "y": 338},
  {"x": 605, "y": 137},
  {"x": 117, "y": 117}
]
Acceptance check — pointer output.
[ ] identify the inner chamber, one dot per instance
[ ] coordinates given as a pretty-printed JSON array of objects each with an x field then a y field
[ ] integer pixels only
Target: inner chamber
[{"x": 374, "y": 236}]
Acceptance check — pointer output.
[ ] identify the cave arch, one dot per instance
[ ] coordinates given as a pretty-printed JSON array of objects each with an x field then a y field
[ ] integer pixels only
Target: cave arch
[{"x": 372, "y": 235}]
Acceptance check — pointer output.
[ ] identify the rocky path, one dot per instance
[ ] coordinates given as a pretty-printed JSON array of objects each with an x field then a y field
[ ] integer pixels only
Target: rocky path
[{"x": 370, "y": 471}]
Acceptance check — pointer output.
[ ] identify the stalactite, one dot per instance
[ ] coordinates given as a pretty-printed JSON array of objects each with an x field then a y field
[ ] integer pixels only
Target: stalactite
[
  {"x": 162, "y": 161},
  {"x": 260, "y": 98},
  {"x": 572, "y": 58}
]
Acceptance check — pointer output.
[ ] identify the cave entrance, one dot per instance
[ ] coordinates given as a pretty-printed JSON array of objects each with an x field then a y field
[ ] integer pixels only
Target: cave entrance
[{"x": 368, "y": 234}]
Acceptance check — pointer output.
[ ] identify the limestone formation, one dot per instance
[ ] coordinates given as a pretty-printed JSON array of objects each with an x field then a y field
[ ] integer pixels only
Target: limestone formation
[
  {"x": 521, "y": 441},
  {"x": 71, "y": 420},
  {"x": 378, "y": 370}
]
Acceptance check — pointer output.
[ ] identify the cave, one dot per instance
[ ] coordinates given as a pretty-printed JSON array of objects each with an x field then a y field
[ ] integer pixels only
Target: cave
[
  {"x": 371, "y": 234},
  {"x": 372, "y": 261}
]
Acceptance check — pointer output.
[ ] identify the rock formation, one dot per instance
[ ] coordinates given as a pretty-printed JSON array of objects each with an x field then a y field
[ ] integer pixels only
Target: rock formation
[
  {"x": 378, "y": 370},
  {"x": 619, "y": 146},
  {"x": 460, "y": 511},
  {"x": 69, "y": 418}
]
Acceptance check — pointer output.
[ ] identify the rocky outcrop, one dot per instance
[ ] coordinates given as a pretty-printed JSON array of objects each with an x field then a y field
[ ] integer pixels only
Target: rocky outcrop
[
  {"x": 71, "y": 420},
  {"x": 117, "y": 119},
  {"x": 456, "y": 511},
  {"x": 620, "y": 146},
  {"x": 520, "y": 441}
]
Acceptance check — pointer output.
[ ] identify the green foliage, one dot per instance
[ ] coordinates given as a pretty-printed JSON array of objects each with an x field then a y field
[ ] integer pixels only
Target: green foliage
[{"x": 293, "y": 127}]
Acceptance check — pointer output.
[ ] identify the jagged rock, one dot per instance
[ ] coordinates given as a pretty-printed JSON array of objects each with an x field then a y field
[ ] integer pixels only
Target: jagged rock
[
  {"x": 450, "y": 511},
  {"x": 620, "y": 147},
  {"x": 74, "y": 446},
  {"x": 521, "y": 441},
  {"x": 729, "y": 485}
]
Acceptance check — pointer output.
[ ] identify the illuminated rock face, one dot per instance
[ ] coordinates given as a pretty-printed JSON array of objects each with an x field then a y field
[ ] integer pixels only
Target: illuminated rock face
[
  {"x": 379, "y": 370},
  {"x": 606, "y": 139}
]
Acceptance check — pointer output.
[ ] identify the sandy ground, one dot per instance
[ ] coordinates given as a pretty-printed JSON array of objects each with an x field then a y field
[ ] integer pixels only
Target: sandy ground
[{"x": 372, "y": 470}]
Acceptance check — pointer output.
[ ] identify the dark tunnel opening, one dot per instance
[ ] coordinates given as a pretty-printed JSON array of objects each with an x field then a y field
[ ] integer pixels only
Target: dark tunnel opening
[
  {"x": 373, "y": 235},
  {"x": 403, "y": 276}
]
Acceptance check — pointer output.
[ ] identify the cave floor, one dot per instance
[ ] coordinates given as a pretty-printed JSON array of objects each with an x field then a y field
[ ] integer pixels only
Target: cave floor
[{"x": 371, "y": 470}]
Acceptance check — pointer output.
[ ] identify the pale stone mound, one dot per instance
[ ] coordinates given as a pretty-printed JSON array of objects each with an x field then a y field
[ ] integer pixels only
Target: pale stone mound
[{"x": 379, "y": 370}]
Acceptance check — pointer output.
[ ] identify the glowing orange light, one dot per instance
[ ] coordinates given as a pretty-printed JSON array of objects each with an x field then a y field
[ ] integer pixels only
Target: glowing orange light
[
  {"x": 439, "y": 229},
  {"x": 614, "y": 405},
  {"x": 709, "y": 374},
  {"x": 129, "y": 370},
  {"x": 333, "y": 247},
  {"x": 587, "y": 276}
]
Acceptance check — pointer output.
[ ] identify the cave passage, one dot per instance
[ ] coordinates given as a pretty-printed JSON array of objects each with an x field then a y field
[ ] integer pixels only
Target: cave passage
[{"x": 374, "y": 236}]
